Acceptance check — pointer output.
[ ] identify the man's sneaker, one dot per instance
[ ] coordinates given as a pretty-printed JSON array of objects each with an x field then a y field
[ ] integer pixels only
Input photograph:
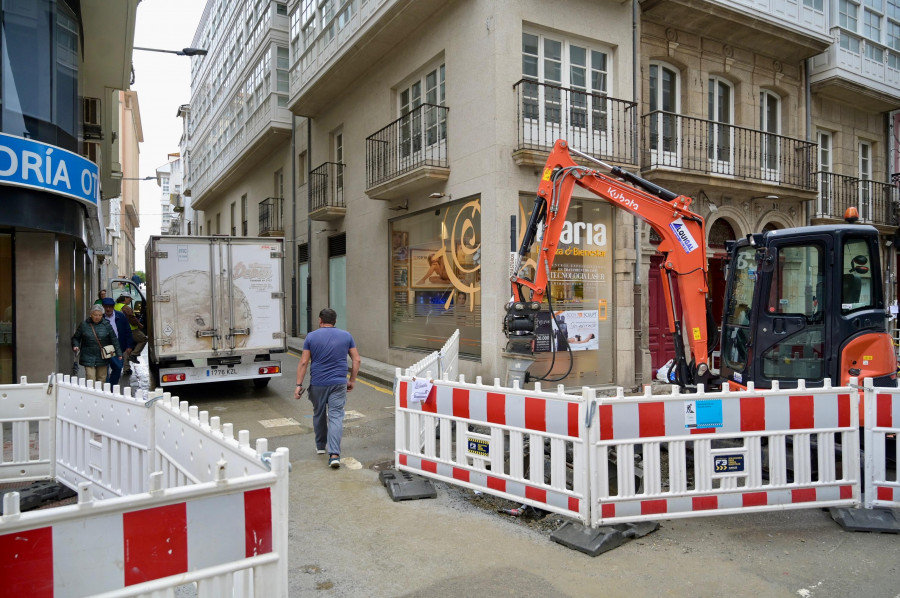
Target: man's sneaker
[
  {"x": 334, "y": 462},
  {"x": 320, "y": 451},
  {"x": 133, "y": 359}
]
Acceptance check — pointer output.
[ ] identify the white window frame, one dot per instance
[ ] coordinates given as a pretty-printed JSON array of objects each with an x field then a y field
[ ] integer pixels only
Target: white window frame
[
  {"x": 770, "y": 146},
  {"x": 720, "y": 133},
  {"x": 416, "y": 127},
  {"x": 825, "y": 141},
  {"x": 865, "y": 178},
  {"x": 581, "y": 115},
  {"x": 661, "y": 153}
]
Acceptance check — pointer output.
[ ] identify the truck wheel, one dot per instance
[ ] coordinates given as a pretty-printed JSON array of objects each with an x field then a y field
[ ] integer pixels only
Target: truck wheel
[
  {"x": 261, "y": 382},
  {"x": 154, "y": 377}
]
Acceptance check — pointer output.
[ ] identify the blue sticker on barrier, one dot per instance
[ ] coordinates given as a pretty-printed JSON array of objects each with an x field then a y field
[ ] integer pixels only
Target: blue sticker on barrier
[
  {"x": 728, "y": 463},
  {"x": 703, "y": 414},
  {"x": 482, "y": 448}
]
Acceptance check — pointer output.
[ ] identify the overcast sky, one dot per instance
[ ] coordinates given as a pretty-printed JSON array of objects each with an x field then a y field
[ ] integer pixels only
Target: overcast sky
[{"x": 163, "y": 83}]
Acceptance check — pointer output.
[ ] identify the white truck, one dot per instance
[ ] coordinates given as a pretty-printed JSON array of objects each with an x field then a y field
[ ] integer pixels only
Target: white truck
[{"x": 213, "y": 308}]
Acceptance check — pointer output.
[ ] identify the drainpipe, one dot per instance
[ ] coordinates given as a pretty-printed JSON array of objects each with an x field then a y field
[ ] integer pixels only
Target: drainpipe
[
  {"x": 293, "y": 225},
  {"x": 634, "y": 149},
  {"x": 309, "y": 252},
  {"x": 809, "y": 132}
]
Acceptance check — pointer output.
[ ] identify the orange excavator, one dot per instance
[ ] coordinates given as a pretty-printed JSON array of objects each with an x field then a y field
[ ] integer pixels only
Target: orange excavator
[{"x": 801, "y": 303}]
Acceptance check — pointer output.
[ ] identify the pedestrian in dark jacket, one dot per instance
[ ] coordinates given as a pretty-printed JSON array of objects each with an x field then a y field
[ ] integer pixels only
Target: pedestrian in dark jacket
[
  {"x": 89, "y": 337},
  {"x": 120, "y": 326}
]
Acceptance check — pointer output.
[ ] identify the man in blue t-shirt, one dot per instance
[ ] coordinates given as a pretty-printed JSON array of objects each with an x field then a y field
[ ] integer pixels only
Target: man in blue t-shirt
[{"x": 327, "y": 348}]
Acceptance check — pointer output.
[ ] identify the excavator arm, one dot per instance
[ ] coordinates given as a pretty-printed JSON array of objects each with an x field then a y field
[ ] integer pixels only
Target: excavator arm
[{"x": 683, "y": 245}]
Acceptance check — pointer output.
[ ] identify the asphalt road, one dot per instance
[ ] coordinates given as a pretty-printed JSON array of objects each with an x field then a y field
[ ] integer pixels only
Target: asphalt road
[{"x": 348, "y": 539}]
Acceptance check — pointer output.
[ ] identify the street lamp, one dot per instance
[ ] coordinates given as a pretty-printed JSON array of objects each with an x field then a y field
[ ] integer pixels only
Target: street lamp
[
  {"x": 182, "y": 52},
  {"x": 146, "y": 178}
]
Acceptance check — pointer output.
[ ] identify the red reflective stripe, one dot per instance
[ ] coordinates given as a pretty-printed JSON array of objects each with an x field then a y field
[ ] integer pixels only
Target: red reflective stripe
[
  {"x": 573, "y": 420},
  {"x": 496, "y": 408},
  {"x": 753, "y": 414},
  {"x": 654, "y": 507},
  {"x": 537, "y": 494},
  {"x": 884, "y": 493},
  {"x": 496, "y": 483},
  {"x": 461, "y": 474},
  {"x": 257, "y": 522},
  {"x": 843, "y": 411},
  {"x": 404, "y": 388},
  {"x": 846, "y": 492},
  {"x": 704, "y": 503},
  {"x": 755, "y": 499},
  {"x": 574, "y": 504},
  {"x": 802, "y": 412},
  {"x": 608, "y": 510},
  {"x": 535, "y": 414},
  {"x": 883, "y": 416},
  {"x": 155, "y": 543},
  {"x": 652, "y": 419},
  {"x": 429, "y": 466},
  {"x": 401, "y": 459},
  {"x": 461, "y": 403},
  {"x": 703, "y": 430},
  {"x": 26, "y": 564},
  {"x": 605, "y": 414},
  {"x": 803, "y": 495}
]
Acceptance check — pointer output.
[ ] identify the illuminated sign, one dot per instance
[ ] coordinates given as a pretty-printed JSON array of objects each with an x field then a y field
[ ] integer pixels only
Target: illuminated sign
[{"x": 36, "y": 165}]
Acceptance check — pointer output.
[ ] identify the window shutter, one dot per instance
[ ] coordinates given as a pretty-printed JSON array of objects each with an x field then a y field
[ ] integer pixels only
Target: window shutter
[{"x": 337, "y": 245}]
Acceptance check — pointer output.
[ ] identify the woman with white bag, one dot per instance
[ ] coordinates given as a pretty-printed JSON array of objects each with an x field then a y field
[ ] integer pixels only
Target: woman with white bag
[{"x": 95, "y": 342}]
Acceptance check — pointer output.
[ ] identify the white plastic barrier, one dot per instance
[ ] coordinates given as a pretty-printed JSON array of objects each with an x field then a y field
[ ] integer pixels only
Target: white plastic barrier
[
  {"x": 497, "y": 440},
  {"x": 751, "y": 451},
  {"x": 26, "y": 441},
  {"x": 882, "y": 427},
  {"x": 439, "y": 364},
  {"x": 211, "y": 514}
]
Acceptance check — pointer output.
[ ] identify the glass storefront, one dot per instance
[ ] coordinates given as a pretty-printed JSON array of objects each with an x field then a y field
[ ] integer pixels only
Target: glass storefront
[
  {"x": 436, "y": 277},
  {"x": 582, "y": 298}
]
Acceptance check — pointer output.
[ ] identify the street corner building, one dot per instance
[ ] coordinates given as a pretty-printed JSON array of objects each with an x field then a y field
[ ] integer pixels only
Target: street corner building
[{"x": 65, "y": 79}]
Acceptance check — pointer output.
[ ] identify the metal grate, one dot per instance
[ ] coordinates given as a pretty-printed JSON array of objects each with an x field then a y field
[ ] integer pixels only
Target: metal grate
[
  {"x": 303, "y": 253},
  {"x": 337, "y": 245}
]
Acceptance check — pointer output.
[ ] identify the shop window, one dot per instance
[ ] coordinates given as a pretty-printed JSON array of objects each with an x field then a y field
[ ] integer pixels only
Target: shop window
[
  {"x": 436, "y": 277},
  {"x": 6, "y": 311},
  {"x": 582, "y": 297}
]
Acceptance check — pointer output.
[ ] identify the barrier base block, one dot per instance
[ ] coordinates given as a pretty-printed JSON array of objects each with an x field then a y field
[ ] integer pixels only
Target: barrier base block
[
  {"x": 402, "y": 485},
  {"x": 885, "y": 521},
  {"x": 41, "y": 493},
  {"x": 594, "y": 541}
]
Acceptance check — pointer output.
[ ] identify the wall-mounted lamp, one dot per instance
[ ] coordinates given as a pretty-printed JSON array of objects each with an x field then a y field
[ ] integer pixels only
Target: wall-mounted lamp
[
  {"x": 765, "y": 197},
  {"x": 144, "y": 178},
  {"x": 438, "y": 195},
  {"x": 181, "y": 52},
  {"x": 327, "y": 230}
]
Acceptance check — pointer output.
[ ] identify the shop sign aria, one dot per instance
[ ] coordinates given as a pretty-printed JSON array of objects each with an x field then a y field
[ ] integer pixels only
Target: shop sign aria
[{"x": 36, "y": 165}]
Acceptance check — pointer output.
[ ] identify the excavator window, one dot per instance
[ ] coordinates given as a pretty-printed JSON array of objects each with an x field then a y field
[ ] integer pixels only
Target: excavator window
[
  {"x": 856, "y": 277},
  {"x": 795, "y": 304}
]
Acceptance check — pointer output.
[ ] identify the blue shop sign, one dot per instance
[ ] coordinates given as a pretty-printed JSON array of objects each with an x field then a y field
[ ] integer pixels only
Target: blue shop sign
[{"x": 36, "y": 165}]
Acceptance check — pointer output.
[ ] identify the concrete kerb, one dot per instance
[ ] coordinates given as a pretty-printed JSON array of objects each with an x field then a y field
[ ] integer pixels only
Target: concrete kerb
[{"x": 369, "y": 369}]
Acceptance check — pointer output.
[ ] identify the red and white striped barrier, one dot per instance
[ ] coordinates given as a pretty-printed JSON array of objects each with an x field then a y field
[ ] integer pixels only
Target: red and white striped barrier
[
  {"x": 882, "y": 486},
  {"x": 752, "y": 451},
  {"x": 501, "y": 441},
  {"x": 213, "y": 513},
  {"x": 27, "y": 409}
]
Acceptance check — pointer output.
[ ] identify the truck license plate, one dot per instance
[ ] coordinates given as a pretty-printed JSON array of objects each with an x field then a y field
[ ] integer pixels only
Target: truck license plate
[{"x": 222, "y": 372}]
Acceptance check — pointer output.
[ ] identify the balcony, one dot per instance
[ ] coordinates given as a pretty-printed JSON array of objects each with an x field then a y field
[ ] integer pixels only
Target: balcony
[
  {"x": 724, "y": 154},
  {"x": 594, "y": 124},
  {"x": 334, "y": 50},
  {"x": 409, "y": 154},
  {"x": 326, "y": 190},
  {"x": 270, "y": 221},
  {"x": 858, "y": 71},
  {"x": 797, "y": 30},
  {"x": 877, "y": 202}
]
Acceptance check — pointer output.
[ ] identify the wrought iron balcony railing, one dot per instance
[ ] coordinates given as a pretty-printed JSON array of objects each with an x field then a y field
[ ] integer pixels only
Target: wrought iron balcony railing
[
  {"x": 691, "y": 144},
  {"x": 326, "y": 186},
  {"x": 876, "y": 202},
  {"x": 592, "y": 123},
  {"x": 415, "y": 140},
  {"x": 270, "y": 222}
]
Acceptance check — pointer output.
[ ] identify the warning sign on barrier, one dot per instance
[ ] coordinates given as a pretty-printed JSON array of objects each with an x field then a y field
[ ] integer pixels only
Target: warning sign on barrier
[{"x": 728, "y": 463}]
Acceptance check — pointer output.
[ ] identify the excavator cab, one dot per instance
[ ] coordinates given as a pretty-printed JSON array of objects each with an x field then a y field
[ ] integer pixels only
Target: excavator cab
[{"x": 805, "y": 303}]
